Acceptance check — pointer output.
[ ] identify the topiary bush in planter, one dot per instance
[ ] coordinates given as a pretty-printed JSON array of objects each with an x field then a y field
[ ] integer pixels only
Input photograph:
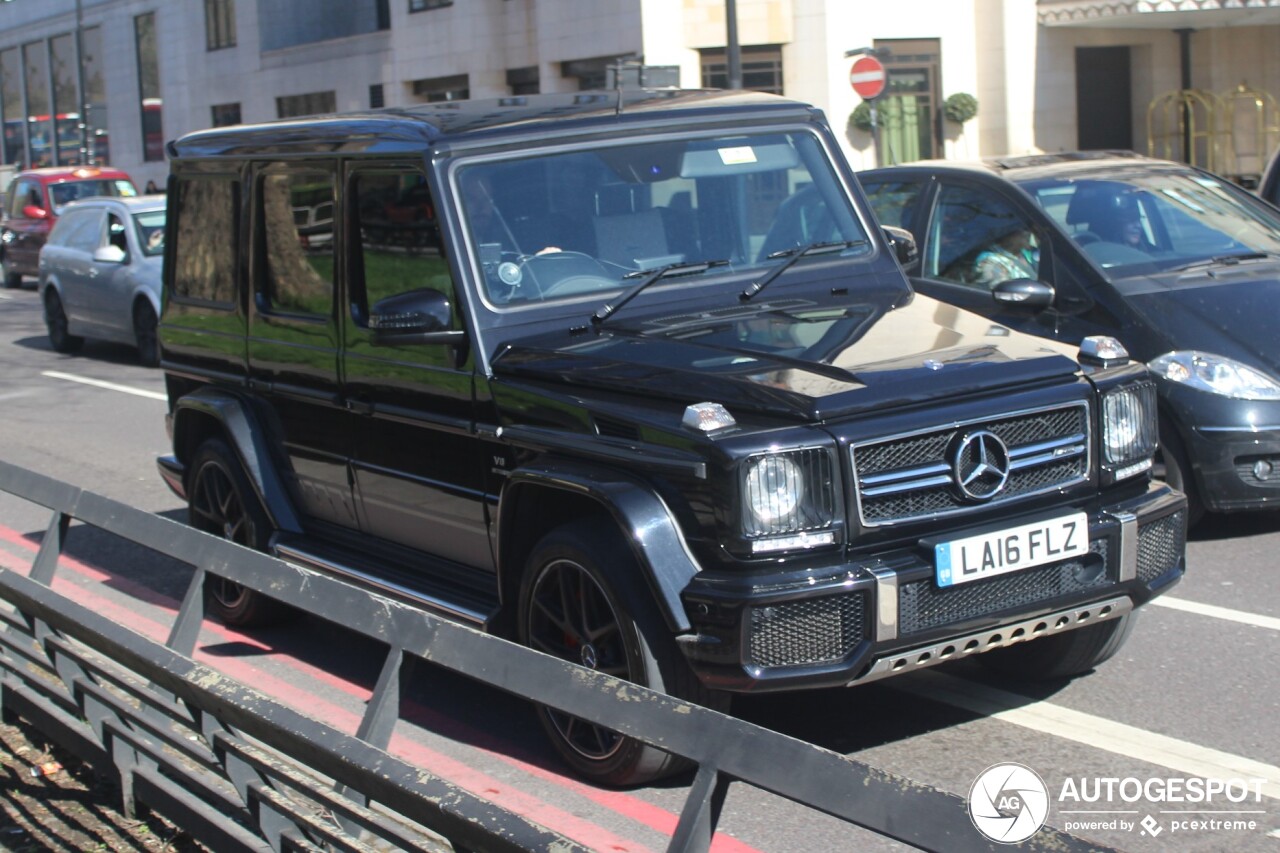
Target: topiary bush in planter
[{"x": 960, "y": 107}]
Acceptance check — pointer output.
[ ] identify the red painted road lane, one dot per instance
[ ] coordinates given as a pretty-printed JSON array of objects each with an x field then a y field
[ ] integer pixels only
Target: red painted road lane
[{"x": 519, "y": 801}]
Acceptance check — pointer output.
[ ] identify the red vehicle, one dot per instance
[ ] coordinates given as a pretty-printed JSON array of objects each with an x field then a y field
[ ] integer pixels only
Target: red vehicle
[{"x": 33, "y": 203}]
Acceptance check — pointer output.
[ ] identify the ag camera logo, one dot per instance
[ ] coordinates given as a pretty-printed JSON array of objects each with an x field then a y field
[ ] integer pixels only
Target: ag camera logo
[{"x": 1008, "y": 803}]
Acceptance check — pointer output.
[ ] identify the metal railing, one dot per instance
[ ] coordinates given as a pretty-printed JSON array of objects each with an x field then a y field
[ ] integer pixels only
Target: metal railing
[{"x": 241, "y": 771}]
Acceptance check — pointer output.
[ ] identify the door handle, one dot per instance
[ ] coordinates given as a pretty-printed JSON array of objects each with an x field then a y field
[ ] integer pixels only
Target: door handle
[{"x": 360, "y": 405}]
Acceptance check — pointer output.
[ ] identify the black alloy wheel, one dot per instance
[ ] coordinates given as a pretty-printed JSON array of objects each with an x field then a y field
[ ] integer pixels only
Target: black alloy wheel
[
  {"x": 221, "y": 501},
  {"x": 55, "y": 319},
  {"x": 583, "y": 600},
  {"x": 144, "y": 332}
]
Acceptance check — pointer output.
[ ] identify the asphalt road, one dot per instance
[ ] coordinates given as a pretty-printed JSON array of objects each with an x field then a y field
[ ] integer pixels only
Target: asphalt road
[{"x": 1193, "y": 695}]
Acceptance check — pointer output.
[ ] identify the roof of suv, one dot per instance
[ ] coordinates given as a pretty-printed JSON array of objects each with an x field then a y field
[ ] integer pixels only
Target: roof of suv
[{"x": 412, "y": 128}]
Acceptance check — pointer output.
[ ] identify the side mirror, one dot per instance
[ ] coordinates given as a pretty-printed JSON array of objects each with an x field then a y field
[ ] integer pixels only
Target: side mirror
[
  {"x": 903, "y": 243},
  {"x": 109, "y": 255},
  {"x": 415, "y": 317},
  {"x": 33, "y": 212},
  {"x": 1023, "y": 293}
]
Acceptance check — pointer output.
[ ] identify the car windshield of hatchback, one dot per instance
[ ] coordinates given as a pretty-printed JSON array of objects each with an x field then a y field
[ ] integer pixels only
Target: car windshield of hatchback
[
  {"x": 68, "y": 191},
  {"x": 150, "y": 227},
  {"x": 584, "y": 223},
  {"x": 1143, "y": 222}
]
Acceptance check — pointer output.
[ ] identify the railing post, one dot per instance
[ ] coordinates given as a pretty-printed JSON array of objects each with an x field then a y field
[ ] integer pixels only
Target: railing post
[{"x": 701, "y": 812}]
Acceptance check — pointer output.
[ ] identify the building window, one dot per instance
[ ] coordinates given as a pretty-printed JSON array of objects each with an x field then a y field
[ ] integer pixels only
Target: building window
[
  {"x": 592, "y": 73},
  {"x": 523, "y": 81},
  {"x": 95, "y": 96},
  {"x": 35, "y": 60},
  {"x": 423, "y": 5},
  {"x": 455, "y": 88},
  {"x": 376, "y": 98},
  {"x": 311, "y": 103},
  {"x": 144, "y": 29},
  {"x": 66, "y": 101},
  {"x": 761, "y": 68},
  {"x": 219, "y": 24},
  {"x": 11, "y": 107},
  {"x": 225, "y": 114},
  {"x": 910, "y": 126},
  {"x": 383, "y": 11}
]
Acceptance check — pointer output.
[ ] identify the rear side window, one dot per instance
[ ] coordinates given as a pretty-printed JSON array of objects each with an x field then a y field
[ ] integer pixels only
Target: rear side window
[
  {"x": 204, "y": 255},
  {"x": 295, "y": 212},
  {"x": 80, "y": 230},
  {"x": 894, "y": 202}
]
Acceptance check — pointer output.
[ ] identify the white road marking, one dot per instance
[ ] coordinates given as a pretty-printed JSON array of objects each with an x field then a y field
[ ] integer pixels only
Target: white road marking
[
  {"x": 98, "y": 383},
  {"x": 1255, "y": 619},
  {"x": 5, "y": 296},
  {"x": 1091, "y": 730}
]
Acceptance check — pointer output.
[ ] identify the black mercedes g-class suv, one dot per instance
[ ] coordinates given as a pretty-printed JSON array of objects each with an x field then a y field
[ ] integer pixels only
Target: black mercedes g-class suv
[{"x": 636, "y": 379}]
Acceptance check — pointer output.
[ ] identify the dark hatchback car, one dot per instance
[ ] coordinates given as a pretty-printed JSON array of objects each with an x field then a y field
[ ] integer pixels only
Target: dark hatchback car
[
  {"x": 647, "y": 390},
  {"x": 1181, "y": 266}
]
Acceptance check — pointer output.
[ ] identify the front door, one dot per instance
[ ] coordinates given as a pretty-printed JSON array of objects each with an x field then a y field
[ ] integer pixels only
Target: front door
[{"x": 417, "y": 462}]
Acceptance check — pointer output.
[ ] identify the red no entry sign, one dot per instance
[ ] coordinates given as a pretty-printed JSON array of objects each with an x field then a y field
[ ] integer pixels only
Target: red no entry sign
[{"x": 868, "y": 77}]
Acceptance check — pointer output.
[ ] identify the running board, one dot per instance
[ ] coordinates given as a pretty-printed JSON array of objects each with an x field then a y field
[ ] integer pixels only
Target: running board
[
  {"x": 454, "y": 610},
  {"x": 1006, "y": 635}
]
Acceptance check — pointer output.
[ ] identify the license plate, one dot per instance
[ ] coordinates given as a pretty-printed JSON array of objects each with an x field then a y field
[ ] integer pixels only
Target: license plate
[{"x": 1012, "y": 549}]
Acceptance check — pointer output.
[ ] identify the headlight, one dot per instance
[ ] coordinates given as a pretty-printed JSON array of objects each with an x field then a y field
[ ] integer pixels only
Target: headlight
[
  {"x": 1129, "y": 428},
  {"x": 789, "y": 500},
  {"x": 1216, "y": 374}
]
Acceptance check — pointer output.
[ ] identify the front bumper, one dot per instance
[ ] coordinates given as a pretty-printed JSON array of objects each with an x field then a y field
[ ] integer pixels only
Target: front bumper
[
  {"x": 174, "y": 474},
  {"x": 1233, "y": 447},
  {"x": 884, "y": 614}
]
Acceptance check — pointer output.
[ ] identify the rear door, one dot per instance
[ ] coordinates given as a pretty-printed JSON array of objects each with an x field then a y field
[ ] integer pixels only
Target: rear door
[
  {"x": 69, "y": 260},
  {"x": 293, "y": 335}
]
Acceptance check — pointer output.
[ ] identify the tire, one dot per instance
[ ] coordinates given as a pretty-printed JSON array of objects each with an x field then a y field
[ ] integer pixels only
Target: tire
[
  {"x": 55, "y": 319},
  {"x": 1174, "y": 467},
  {"x": 12, "y": 280},
  {"x": 1063, "y": 655},
  {"x": 221, "y": 501},
  {"x": 582, "y": 599},
  {"x": 144, "y": 332}
]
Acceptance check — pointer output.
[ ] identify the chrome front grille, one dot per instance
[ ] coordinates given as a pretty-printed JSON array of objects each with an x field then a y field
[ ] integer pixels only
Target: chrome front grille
[{"x": 912, "y": 476}]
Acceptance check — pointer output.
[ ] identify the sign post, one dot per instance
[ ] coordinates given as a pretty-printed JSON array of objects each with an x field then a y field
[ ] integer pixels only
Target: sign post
[{"x": 868, "y": 78}]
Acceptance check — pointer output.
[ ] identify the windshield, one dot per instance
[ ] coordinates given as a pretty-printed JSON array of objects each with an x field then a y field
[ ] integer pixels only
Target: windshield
[
  {"x": 1146, "y": 221},
  {"x": 576, "y": 224},
  {"x": 150, "y": 227},
  {"x": 69, "y": 191}
]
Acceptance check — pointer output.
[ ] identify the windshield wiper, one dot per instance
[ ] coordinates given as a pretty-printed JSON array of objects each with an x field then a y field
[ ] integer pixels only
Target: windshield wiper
[
  {"x": 1226, "y": 260},
  {"x": 793, "y": 255},
  {"x": 650, "y": 277}
]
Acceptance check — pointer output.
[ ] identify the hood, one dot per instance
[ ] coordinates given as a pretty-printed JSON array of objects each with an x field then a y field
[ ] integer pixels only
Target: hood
[
  {"x": 1228, "y": 311},
  {"x": 795, "y": 358}
]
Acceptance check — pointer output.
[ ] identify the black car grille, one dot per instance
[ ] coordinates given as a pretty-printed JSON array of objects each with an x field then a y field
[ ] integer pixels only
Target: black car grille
[
  {"x": 807, "y": 631},
  {"x": 1160, "y": 546},
  {"x": 923, "y": 606},
  {"x": 911, "y": 477}
]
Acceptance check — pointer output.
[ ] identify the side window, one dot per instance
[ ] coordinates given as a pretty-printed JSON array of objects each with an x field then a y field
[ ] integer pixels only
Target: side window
[
  {"x": 978, "y": 239},
  {"x": 399, "y": 247},
  {"x": 80, "y": 230},
  {"x": 26, "y": 192},
  {"x": 205, "y": 232},
  {"x": 295, "y": 215},
  {"x": 115, "y": 232},
  {"x": 894, "y": 202}
]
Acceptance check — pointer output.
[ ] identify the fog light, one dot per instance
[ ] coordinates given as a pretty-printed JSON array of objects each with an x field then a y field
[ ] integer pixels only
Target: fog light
[{"x": 1262, "y": 469}]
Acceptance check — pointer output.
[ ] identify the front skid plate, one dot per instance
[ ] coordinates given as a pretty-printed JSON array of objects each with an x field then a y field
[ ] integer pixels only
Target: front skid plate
[{"x": 995, "y": 638}]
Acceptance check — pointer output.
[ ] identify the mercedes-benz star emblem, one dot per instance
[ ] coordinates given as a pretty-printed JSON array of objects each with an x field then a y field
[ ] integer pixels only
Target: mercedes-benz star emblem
[{"x": 981, "y": 465}]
